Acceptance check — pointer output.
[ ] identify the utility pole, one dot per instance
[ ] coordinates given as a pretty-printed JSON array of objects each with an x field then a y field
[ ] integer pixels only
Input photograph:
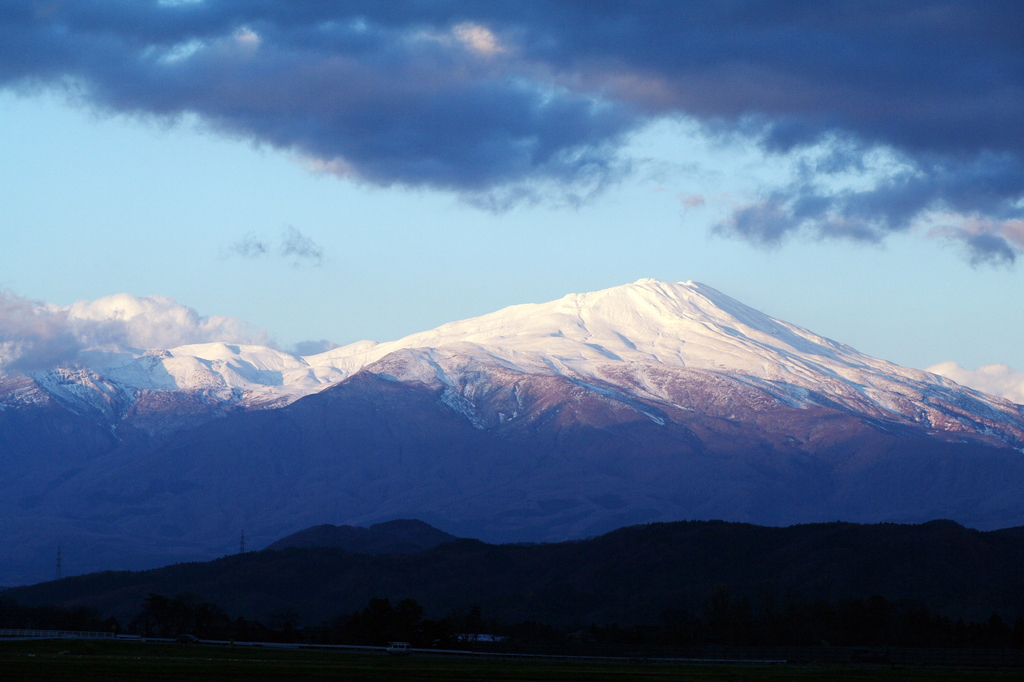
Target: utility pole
[
  {"x": 60, "y": 572},
  {"x": 241, "y": 544}
]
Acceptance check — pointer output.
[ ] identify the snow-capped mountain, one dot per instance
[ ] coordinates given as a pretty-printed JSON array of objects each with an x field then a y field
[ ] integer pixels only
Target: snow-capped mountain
[
  {"x": 642, "y": 339},
  {"x": 646, "y": 402}
]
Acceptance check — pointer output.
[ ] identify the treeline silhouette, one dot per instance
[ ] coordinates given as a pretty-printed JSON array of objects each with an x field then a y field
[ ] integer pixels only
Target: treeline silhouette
[
  {"x": 378, "y": 624},
  {"x": 873, "y": 622},
  {"x": 724, "y": 620},
  {"x": 17, "y": 617},
  {"x": 661, "y": 576}
]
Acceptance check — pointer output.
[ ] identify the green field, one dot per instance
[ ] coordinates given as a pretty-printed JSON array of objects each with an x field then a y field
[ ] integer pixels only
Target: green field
[{"x": 55, "y": 660}]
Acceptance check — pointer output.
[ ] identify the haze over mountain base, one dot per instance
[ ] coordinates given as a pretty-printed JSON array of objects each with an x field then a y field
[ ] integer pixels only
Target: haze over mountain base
[{"x": 646, "y": 402}]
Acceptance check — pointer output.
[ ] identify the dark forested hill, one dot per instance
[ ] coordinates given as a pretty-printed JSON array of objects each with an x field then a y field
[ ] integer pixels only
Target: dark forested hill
[
  {"x": 634, "y": 575},
  {"x": 401, "y": 536}
]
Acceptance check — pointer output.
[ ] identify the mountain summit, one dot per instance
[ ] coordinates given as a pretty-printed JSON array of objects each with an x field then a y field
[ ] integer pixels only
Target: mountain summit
[
  {"x": 639, "y": 337},
  {"x": 642, "y": 329},
  {"x": 651, "y": 401}
]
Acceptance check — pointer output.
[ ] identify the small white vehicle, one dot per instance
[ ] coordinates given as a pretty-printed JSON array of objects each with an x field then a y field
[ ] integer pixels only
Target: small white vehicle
[{"x": 401, "y": 648}]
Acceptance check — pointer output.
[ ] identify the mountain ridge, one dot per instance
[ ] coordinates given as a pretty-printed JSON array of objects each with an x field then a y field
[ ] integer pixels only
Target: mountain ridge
[
  {"x": 540, "y": 422},
  {"x": 585, "y": 337}
]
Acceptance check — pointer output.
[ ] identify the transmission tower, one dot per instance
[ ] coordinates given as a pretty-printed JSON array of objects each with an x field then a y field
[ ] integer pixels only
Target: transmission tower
[{"x": 60, "y": 571}]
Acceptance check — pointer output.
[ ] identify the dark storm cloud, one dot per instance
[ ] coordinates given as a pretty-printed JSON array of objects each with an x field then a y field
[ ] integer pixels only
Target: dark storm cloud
[
  {"x": 983, "y": 186},
  {"x": 488, "y": 99},
  {"x": 387, "y": 101}
]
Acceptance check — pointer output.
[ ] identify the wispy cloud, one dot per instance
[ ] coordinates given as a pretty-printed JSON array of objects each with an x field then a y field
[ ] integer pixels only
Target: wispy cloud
[
  {"x": 976, "y": 203},
  {"x": 504, "y": 102},
  {"x": 301, "y": 248},
  {"x": 292, "y": 245},
  {"x": 249, "y": 246}
]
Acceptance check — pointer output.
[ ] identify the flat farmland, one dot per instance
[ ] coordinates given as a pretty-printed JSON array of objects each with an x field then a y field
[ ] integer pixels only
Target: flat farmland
[{"x": 85, "y": 661}]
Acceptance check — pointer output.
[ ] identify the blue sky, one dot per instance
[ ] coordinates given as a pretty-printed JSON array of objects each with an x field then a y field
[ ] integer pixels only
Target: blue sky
[{"x": 166, "y": 168}]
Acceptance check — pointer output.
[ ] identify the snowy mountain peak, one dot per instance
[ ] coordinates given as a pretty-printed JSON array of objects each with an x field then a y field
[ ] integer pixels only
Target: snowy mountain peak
[
  {"x": 647, "y": 335},
  {"x": 680, "y": 324},
  {"x": 641, "y": 338}
]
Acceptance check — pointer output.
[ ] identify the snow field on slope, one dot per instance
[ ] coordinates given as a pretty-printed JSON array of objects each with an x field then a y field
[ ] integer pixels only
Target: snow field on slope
[{"x": 647, "y": 323}]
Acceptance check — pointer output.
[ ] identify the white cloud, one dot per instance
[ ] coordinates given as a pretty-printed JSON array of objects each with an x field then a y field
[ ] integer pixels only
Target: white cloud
[
  {"x": 247, "y": 37},
  {"x": 477, "y": 38},
  {"x": 37, "y": 335},
  {"x": 998, "y": 379},
  {"x": 159, "y": 322}
]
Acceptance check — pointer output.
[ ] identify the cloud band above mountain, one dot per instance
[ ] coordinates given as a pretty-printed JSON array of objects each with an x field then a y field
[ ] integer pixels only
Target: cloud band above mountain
[{"x": 501, "y": 100}]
